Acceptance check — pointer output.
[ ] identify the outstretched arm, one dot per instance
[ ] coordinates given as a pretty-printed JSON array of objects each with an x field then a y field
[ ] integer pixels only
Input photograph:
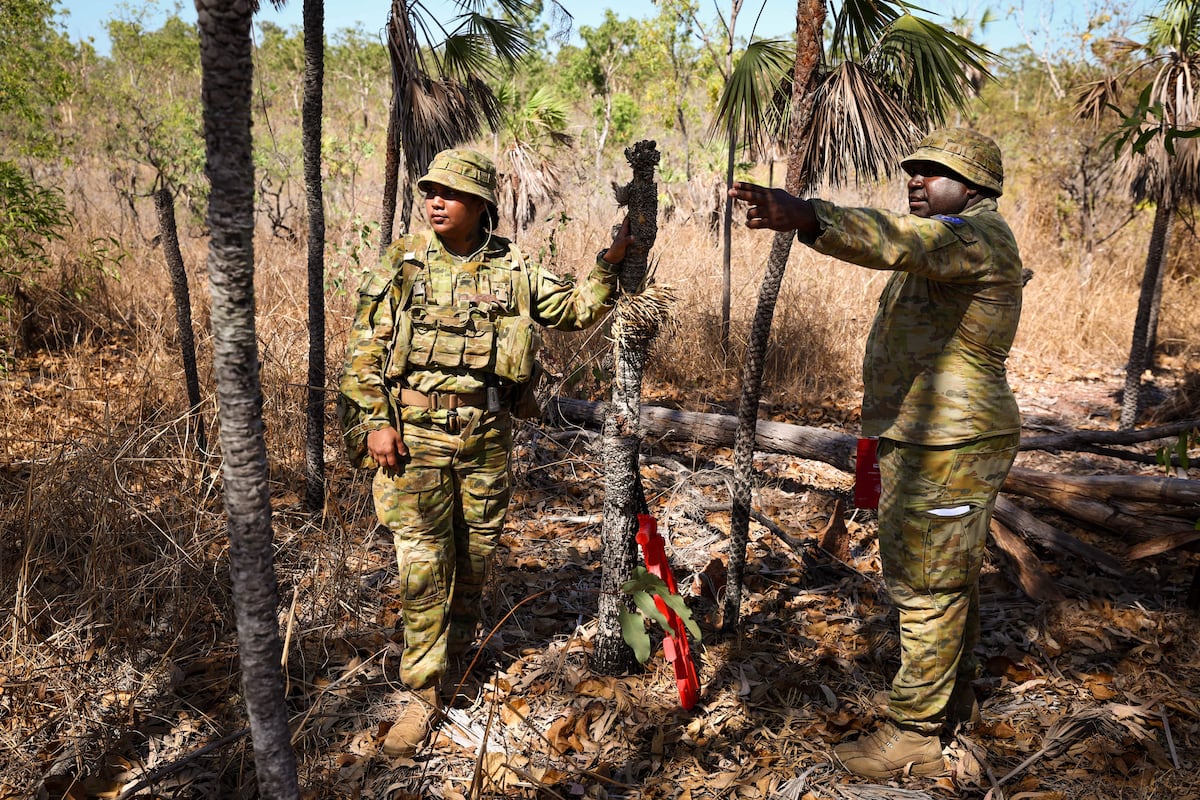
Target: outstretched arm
[{"x": 776, "y": 210}]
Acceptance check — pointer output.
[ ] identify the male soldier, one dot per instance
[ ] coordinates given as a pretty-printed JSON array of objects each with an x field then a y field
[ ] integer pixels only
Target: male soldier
[
  {"x": 440, "y": 355},
  {"x": 937, "y": 396}
]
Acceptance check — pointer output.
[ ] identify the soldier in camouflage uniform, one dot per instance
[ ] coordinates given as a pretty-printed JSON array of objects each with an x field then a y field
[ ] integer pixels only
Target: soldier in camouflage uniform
[
  {"x": 937, "y": 396},
  {"x": 441, "y": 353}
]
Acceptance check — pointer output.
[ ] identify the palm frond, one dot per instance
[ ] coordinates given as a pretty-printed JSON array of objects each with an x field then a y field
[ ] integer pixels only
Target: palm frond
[
  {"x": 507, "y": 39},
  {"x": 747, "y": 112},
  {"x": 442, "y": 113},
  {"x": 466, "y": 54},
  {"x": 859, "y": 24},
  {"x": 931, "y": 67},
  {"x": 871, "y": 128}
]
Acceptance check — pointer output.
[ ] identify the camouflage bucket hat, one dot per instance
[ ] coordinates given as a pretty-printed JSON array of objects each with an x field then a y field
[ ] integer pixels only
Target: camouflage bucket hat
[
  {"x": 969, "y": 154},
  {"x": 464, "y": 170}
]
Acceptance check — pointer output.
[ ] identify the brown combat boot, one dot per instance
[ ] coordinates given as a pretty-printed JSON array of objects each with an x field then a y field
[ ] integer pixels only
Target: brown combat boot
[
  {"x": 412, "y": 726},
  {"x": 892, "y": 752}
]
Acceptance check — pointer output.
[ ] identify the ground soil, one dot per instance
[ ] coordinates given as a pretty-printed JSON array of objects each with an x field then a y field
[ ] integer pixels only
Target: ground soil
[{"x": 1094, "y": 697}]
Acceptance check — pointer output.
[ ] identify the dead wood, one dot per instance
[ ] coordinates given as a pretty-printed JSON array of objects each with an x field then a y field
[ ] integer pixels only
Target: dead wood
[
  {"x": 1083, "y": 439},
  {"x": 817, "y": 444},
  {"x": 1082, "y": 498},
  {"x": 1139, "y": 488},
  {"x": 1072, "y": 497},
  {"x": 1163, "y": 544},
  {"x": 1029, "y": 526},
  {"x": 1035, "y": 581}
]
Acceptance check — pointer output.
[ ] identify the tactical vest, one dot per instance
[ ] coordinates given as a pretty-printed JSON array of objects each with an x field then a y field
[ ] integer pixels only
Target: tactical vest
[{"x": 477, "y": 318}]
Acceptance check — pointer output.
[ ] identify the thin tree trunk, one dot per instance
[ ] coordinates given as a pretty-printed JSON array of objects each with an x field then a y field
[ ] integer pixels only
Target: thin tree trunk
[
  {"x": 391, "y": 175},
  {"x": 623, "y": 498},
  {"x": 727, "y": 251},
  {"x": 314, "y": 82},
  {"x": 164, "y": 202},
  {"x": 1139, "y": 355},
  {"x": 226, "y": 89},
  {"x": 810, "y": 18}
]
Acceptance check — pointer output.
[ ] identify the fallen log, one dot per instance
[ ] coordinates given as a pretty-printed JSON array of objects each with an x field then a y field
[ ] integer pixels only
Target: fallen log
[
  {"x": 1140, "y": 488},
  {"x": 1075, "y": 440},
  {"x": 816, "y": 444},
  {"x": 1031, "y": 575},
  {"x": 1084, "y": 499},
  {"x": 1073, "y": 496},
  {"x": 1018, "y": 519}
]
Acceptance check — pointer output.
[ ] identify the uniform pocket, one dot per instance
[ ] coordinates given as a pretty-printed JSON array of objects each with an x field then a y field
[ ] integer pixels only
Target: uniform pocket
[
  {"x": 486, "y": 496},
  {"x": 423, "y": 582}
]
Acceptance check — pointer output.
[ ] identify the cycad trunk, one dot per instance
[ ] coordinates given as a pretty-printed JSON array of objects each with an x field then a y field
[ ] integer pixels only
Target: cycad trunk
[
  {"x": 314, "y": 82},
  {"x": 164, "y": 203},
  {"x": 810, "y": 18},
  {"x": 226, "y": 84},
  {"x": 1140, "y": 352},
  {"x": 623, "y": 498}
]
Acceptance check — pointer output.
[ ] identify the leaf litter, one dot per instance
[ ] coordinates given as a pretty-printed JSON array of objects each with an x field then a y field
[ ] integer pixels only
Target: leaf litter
[{"x": 120, "y": 675}]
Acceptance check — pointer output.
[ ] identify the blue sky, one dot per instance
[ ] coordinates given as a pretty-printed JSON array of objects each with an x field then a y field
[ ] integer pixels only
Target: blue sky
[{"x": 1046, "y": 24}]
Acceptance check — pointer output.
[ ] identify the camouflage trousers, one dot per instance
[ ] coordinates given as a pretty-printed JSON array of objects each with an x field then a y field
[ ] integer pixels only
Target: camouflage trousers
[
  {"x": 445, "y": 509},
  {"x": 934, "y": 511}
]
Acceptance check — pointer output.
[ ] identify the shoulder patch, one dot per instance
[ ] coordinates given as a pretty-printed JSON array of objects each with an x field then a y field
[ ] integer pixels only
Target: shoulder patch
[{"x": 950, "y": 219}]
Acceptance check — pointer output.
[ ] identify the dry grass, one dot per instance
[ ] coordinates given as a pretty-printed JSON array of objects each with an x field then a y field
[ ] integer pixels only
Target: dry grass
[{"x": 120, "y": 636}]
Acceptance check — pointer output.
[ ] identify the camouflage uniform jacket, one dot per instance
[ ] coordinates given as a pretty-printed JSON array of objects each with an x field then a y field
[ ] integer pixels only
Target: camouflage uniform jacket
[
  {"x": 421, "y": 267},
  {"x": 934, "y": 369}
]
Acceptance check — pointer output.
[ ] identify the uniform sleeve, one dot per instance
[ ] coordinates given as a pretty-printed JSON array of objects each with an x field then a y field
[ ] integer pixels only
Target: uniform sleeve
[
  {"x": 561, "y": 304},
  {"x": 367, "y": 347},
  {"x": 942, "y": 248}
]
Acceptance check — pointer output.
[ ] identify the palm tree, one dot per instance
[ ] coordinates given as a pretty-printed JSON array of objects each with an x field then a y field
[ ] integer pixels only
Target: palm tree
[
  {"x": 440, "y": 96},
  {"x": 314, "y": 81},
  {"x": 226, "y": 90},
  {"x": 1158, "y": 165},
  {"x": 529, "y": 167},
  {"x": 855, "y": 109}
]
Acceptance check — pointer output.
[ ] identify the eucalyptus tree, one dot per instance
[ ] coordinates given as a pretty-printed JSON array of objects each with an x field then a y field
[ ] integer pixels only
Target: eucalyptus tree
[
  {"x": 226, "y": 93},
  {"x": 440, "y": 93},
  {"x": 601, "y": 65},
  {"x": 1159, "y": 165},
  {"x": 859, "y": 99}
]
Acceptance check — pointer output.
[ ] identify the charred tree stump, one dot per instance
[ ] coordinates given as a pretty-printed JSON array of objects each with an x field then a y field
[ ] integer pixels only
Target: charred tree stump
[{"x": 635, "y": 323}]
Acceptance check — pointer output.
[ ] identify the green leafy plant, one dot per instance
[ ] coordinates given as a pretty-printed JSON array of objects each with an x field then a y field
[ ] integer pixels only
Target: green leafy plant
[
  {"x": 644, "y": 587},
  {"x": 353, "y": 255},
  {"x": 1168, "y": 454},
  {"x": 31, "y": 215}
]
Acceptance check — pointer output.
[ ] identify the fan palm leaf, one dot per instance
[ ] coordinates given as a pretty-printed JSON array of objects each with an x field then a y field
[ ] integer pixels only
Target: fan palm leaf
[{"x": 894, "y": 76}]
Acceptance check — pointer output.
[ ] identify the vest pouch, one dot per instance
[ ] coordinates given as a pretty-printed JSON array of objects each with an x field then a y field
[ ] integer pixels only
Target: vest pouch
[
  {"x": 450, "y": 337},
  {"x": 518, "y": 340},
  {"x": 479, "y": 341}
]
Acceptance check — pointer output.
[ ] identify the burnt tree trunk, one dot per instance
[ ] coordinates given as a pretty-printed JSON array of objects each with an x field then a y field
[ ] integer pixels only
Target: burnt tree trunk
[
  {"x": 810, "y": 21},
  {"x": 227, "y": 68},
  {"x": 164, "y": 203},
  {"x": 623, "y": 498},
  {"x": 314, "y": 82},
  {"x": 1140, "y": 354}
]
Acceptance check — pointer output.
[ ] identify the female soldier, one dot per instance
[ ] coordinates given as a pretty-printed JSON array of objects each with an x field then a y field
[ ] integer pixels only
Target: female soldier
[{"x": 440, "y": 357}]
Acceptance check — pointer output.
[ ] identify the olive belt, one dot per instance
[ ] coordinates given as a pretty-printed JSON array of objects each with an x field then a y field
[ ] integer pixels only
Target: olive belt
[{"x": 448, "y": 401}]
